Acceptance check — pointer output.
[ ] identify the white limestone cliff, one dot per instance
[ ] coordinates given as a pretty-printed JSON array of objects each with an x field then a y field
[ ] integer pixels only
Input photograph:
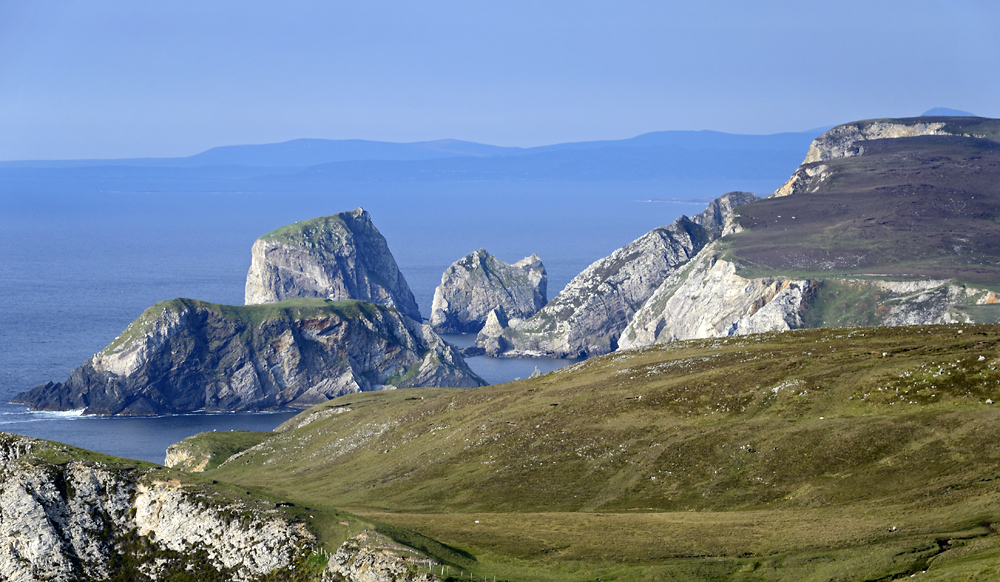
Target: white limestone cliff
[
  {"x": 80, "y": 520},
  {"x": 707, "y": 298}
]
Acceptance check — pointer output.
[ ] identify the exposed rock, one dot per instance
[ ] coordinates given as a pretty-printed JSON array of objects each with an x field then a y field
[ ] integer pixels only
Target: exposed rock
[
  {"x": 490, "y": 338},
  {"x": 476, "y": 284},
  {"x": 845, "y": 140},
  {"x": 472, "y": 351},
  {"x": 370, "y": 557},
  {"x": 708, "y": 299},
  {"x": 70, "y": 520},
  {"x": 336, "y": 257},
  {"x": 180, "y": 457},
  {"x": 185, "y": 355},
  {"x": 717, "y": 219},
  {"x": 588, "y": 316}
]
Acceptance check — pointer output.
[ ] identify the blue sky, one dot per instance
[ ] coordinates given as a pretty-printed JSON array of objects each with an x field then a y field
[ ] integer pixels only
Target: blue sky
[{"x": 106, "y": 78}]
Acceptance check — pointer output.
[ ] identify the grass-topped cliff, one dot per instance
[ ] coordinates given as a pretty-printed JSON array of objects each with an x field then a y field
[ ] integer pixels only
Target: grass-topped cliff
[
  {"x": 873, "y": 200},
  {"x": 183, "y": 355},
  {"x": 70, "y": 514},
  {"x": 249, "y": 315},
  {"x": 849, "y": 454},
  {"x": 307, "y": 233}
]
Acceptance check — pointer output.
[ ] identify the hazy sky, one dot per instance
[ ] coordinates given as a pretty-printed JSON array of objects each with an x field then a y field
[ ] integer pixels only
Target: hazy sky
[{"x": 103, "y": 78}]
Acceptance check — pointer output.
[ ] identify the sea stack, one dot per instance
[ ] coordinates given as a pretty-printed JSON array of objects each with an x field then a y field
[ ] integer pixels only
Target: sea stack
[
  {"x": 478, "y": 283},
  {"x": 338, "y": 257}
]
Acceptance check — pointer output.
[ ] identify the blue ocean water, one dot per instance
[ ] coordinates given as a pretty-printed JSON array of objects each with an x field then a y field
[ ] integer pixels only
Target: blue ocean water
[{"x": 81, "y": 258}]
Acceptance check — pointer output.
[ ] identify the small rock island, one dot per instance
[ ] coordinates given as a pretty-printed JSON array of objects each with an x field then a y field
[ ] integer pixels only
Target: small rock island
[
  {"x": 328, "y": 313},
  {"x": 478, "y": 283},
  {"x": 186, "y": 355}
]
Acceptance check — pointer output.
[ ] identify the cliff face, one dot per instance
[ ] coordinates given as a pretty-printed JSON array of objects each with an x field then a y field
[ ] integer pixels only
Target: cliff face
[
  {"x": 478, "y": 283},
  {"x": 336, "y": 257},
  {"x": 708, "y": 299},
  {"x": 848, "y": 141},
  {"x": 66, "y": 519},
  {"x": 588, "y": 316},
  {"x": 186, "y": 355},
  {"x": 885, "y": 217}
]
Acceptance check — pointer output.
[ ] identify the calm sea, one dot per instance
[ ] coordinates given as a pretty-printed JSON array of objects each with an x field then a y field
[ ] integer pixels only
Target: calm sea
[{"x": 81, "y": 258}]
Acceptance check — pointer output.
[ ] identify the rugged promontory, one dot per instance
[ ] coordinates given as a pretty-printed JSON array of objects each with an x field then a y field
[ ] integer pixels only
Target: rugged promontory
[
  {"x": 186, "y": 355},
  {"x": 589, "y": 315},
  {"x": 479, "y": 283},
  {"x": 338, "y": 257},
  {"x": 887, "y": 222}
]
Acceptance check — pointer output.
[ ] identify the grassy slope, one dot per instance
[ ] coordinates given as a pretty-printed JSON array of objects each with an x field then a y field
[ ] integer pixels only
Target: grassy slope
[
  {"x": 909, "y": 207},
  {"x": 784, "y": 456}
]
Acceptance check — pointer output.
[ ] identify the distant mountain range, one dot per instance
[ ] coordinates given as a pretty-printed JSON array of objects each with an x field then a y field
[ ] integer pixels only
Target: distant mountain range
[
  {"x": 661, "y": 155},
  {"x": 651, "y": 156}
]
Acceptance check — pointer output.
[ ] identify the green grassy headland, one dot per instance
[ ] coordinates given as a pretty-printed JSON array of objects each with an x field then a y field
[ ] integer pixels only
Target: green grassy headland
[{"x": 834, "y": 454}]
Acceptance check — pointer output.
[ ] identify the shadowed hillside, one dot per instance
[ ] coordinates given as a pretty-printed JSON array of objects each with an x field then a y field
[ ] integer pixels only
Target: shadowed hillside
[{"x": 926, "y": 206}]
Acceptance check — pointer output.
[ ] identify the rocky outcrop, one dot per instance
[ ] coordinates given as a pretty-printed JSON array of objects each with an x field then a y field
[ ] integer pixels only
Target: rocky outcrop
[
  {"x": 336, "y": 257},
  {"x": 708, "y": 299},
  {"x": 370, "y": 557},
  {"x": 717, "y": 219},
  {"x": 490, "y": 339},
  {"x": 185, "y": 355},
  {"x": 181, "y": 457},
  {"x": 589, "y": 315},
  {"x": 845, "y": 141},
  {"x": 66, "y": 519},
  {"x": 478, "y": 283}
]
